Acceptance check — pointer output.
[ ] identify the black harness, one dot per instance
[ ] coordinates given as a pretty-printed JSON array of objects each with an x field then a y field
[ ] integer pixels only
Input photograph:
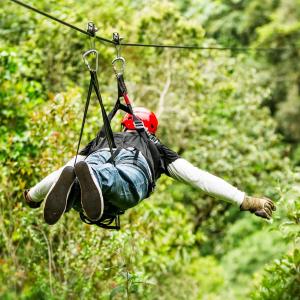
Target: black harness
[{"x": 111, "y": 214}]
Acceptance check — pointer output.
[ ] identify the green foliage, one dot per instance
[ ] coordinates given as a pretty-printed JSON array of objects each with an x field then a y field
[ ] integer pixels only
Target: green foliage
[
  {"x": 269, "y": 24},
  {"x": 281, "y": 279},
  {"x": 179, "y": 244}
]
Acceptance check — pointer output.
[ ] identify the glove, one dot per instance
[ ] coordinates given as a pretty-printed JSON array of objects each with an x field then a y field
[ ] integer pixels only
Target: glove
[{"x": 261, "y": 207}]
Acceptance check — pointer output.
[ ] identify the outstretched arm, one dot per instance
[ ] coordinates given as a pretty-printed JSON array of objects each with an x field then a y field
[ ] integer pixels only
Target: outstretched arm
[{"x": 184, "y": 171}]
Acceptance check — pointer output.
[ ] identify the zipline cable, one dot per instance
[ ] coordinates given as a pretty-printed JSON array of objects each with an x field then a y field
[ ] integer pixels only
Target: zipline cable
[
  {"x": 61, "y": 21},
  {"x": 191, "y": 47}
]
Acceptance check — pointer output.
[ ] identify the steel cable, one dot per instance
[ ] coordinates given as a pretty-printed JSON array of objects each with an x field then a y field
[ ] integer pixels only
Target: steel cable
[{"x": 191, "y": 47}]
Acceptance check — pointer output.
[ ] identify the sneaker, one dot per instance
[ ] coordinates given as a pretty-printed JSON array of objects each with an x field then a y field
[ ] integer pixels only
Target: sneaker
[
  {"x": 74, "y": 197},
  {"x": 29, "y": 201},
  {"x": 91, "y": 194},
  {"x": 56, "y": 199}
]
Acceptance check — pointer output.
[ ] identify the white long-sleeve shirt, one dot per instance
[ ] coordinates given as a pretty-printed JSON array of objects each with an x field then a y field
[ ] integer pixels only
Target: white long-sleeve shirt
[{"x": 184, "y": 171}]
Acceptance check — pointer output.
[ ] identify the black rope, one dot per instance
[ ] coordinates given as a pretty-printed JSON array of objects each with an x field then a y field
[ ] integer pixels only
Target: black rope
[
  {"x": 190, "y": 47},
  {"x": 195, "y": 47},
  {"x": 61, "y": 21},
  {"x": 108, "y": 131},
  {"x": 87, "y": 103}
]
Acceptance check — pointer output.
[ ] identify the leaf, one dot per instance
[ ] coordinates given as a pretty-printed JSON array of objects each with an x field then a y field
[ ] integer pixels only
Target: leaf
[{"x": 117, "y": 290}]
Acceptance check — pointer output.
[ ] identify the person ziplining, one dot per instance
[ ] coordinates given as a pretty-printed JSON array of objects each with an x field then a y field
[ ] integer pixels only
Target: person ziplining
[
  {"x": 116, "y": 171},
  {"x": 127, "y": 182}
]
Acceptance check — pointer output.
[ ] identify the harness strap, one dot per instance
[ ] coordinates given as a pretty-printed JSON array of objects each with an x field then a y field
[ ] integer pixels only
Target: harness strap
[
  {"x": 118, "y": 105},
  {"x": 136, "y": 155},
  {"x": 100, "y": 223},
  {"x": 138, "y": 124},
  {"x": 114, "y": 155},
  {"x": 106, "y": 130},
  {"x": 106, "y": 122},
  {"x": 87, "y": 103}
]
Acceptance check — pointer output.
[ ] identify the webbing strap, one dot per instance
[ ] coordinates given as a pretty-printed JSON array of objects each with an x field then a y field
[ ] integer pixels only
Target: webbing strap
[
  {"x": 138, "y": 124},
  {"x": 114, "y": 155},
  {"x": 118, "y": 105},
  {"x": 106, "y": 130},
  {"x": 136, "y": 155},
  {"x": 122, "y": 92},
  {"x": 106, "y": 123},
  {"x": 87, "y": 103}
]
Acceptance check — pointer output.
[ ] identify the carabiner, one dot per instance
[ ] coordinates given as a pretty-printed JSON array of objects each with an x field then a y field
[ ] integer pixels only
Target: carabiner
[
  {"x": 84, "y": 56},
  {"x": 120, "y": 60}
]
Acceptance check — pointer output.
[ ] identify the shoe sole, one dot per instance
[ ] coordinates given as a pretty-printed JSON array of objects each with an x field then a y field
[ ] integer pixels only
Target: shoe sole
[
  {"x": 91, "y": 194},
  {"x": 56, "y": 199}
]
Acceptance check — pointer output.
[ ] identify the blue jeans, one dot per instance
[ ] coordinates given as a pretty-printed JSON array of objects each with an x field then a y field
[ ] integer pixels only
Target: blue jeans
[{"x": 125, "y": 184}]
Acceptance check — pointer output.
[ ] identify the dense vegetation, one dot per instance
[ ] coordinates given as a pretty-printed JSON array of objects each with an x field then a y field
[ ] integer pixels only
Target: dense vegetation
[{"x": 235, "y": 114}]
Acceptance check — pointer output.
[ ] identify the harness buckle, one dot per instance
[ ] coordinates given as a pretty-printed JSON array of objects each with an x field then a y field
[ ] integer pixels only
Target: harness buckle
[
  {"x": 152, "y": 138},
  {"x": 138, "y": 124}
]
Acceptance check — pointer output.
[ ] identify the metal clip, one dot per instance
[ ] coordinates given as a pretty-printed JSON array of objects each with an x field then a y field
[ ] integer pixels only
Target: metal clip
[
  {"x": 138, "y": 124},
  {"x": 117, "y": 40},
  {"x": 119, "y": 60},
  {"x": 91, "y": 29},
  {"x": 84, "y": 56}
]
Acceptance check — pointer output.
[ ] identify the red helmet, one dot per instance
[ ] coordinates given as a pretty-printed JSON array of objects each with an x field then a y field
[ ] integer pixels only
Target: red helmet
[{"x": 146, "y": 116}]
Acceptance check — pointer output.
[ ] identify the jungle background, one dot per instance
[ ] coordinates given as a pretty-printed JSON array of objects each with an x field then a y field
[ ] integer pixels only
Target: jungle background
[{"x": 233, "y": 113}]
